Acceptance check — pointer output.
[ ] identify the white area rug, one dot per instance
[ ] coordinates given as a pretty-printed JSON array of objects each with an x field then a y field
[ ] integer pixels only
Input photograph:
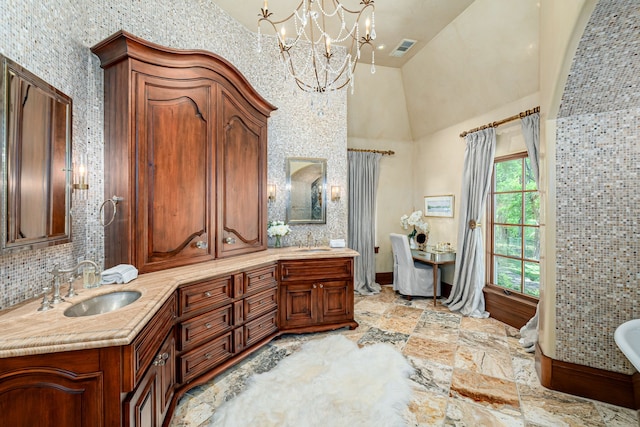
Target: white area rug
[{"x": 328, "y": 382}]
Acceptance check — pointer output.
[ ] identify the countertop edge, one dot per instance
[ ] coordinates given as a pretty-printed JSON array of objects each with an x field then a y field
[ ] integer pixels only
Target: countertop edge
[{"x": 27, "y": 331}]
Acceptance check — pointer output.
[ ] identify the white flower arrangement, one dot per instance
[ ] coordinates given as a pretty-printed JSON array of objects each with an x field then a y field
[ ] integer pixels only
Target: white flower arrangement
[
  {"x": 277, "y": 228},
  {"x": 415, "y": 220}
]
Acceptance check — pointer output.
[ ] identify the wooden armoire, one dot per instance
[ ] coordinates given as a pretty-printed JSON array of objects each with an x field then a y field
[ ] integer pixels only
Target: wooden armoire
[{"x": 186, "y": 149}]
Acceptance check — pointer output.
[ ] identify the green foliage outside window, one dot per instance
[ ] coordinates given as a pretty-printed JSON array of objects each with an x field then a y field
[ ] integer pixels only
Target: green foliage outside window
[{"x": 516, "y": 235}]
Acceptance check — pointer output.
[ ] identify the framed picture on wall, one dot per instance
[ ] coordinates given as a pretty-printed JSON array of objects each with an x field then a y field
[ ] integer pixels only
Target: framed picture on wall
[{"x": 439, "y": 206}]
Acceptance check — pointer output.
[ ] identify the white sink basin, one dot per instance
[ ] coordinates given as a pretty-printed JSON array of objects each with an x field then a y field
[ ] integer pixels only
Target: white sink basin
[{"x": 627, "y": 337}]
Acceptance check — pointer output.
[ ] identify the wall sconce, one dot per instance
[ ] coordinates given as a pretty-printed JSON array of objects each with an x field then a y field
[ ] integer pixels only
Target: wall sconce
[
  {"x": 335, "y": 193},
  {"x": 271, "y": 193},
  {"x": 80, "y": 173}
]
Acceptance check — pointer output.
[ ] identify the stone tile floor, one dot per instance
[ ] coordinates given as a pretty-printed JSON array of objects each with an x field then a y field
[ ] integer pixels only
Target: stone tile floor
[{"x": 469, "y": 372}]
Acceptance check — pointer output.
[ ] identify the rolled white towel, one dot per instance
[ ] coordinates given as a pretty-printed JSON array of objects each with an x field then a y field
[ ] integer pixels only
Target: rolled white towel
[{"x": 122, "y": 273}]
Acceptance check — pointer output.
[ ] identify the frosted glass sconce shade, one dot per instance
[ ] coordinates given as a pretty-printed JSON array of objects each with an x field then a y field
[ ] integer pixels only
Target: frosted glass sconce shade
[
  {"x": 336, "y": 193},
  {"x": 271, "y": 192}
]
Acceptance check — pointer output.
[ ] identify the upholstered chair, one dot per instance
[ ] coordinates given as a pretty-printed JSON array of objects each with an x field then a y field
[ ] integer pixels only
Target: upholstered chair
[{"x": 410, "y": 278}]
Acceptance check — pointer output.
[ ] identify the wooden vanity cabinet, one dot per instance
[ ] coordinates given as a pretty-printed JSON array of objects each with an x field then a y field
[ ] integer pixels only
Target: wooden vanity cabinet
[
  {"x": 220, "y": 318},
  {"x": 149, "y": 370},
  {"x": 73, "y": 388},
  {"x": 186, "y": 148},
  {"x": 316, "y": 295},
  {"x": 148, "y": 404}
]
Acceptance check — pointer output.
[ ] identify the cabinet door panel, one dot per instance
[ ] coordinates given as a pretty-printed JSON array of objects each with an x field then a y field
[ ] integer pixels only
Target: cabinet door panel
[
  {"x": 166, "y": 375},
  {"x": 140, "y": 408},
  {"x": 175, "y": 157},
  {"x": 337, "y": 301},
  {"x": 67, "y": 399},
  {"x": 242, "y": 155},
  {"x": 298, "y": 305}
]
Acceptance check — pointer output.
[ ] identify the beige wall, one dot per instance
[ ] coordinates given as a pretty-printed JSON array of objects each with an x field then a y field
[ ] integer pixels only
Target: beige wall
[
  {"x": 378, "y": 120},
  {"x": 441, "y": 159}
]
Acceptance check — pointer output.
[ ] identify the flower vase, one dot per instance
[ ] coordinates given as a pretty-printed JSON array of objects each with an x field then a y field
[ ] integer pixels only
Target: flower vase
[{"x": 278, "y": 243}]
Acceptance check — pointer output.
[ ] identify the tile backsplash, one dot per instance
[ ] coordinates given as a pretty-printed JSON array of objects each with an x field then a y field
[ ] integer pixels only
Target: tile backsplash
[{"x": 38, "y": 35}]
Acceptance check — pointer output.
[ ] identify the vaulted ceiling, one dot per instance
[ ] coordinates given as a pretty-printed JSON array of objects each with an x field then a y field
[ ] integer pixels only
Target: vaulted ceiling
[{"x": 471, "y": 56}]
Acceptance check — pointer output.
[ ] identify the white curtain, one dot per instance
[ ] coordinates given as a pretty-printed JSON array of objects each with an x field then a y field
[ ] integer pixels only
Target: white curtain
[
  {"x": 531, "y": 132},
  {"x": 468, "y": 281},
  {"x": 363, "y": 182}
]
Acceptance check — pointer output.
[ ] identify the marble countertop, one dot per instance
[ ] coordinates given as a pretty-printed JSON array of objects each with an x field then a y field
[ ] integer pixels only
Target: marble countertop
[{"x": 26, "y": 331}]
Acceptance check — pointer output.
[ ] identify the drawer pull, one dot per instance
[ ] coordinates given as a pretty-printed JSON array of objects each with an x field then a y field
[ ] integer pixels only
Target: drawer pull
[
  {"x": 161, "y": 359},
  {"x": 207, "y": 294},
  {"x": 230, "y": 240},
  {"x": 201, "y": 245},
  {"x": 321, "y": 285},
  {"x": 208, "y": 356},
  {"x": 315, "y": 286},
  {"x": 207, "y": 325}
]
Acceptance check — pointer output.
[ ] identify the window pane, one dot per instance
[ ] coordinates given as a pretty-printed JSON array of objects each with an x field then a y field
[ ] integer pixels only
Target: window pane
[
  {"x": 529, "y": 179},
  {"x": 508, "y": 175},
  {"x": 508, "y": 273},
  {"x": 508, "y": 208},
  {"x": 532, "y": 243},
  {"x": 532, "y": 279},
  {"x": 532, "y": 208},
  {"x": 507, "y": 240}
]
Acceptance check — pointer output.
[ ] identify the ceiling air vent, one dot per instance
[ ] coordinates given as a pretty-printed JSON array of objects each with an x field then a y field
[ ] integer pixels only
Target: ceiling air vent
[{"x": 402, "y": 48}]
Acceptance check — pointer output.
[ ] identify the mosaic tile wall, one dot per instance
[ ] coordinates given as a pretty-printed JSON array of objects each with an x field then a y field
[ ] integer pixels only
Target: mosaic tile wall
[
  {"x": 38, "y": 35},
  {"x": 598, "y": 190}
]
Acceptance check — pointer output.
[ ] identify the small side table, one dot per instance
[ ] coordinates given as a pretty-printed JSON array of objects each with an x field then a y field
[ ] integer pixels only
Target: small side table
[{"x": 435, "y": 260}]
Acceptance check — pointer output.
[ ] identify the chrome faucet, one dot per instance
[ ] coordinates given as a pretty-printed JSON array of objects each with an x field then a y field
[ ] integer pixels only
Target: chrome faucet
[{"x": 57, "y": 274}]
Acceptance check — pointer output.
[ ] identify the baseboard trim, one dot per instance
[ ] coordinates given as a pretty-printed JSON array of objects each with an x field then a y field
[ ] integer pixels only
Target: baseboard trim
[
  {"x": 384, "y": 278},
  {"x": 585, "y": 381},
  {"x": 514, "y": 309}
]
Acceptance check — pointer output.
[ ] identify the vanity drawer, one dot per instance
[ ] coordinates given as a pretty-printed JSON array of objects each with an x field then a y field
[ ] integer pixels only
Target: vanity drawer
[
  {"x": 259, "y": 279},
  {"x": 140, "y": 353},
  {"x": 260, "y": 328},
  {"x": 258, "y": 304},
  {"x": 316, "y": 269},
  {"x": 204, "y": 327},
  {"x": 204, "y": 358},
  {"x": 205, "y": 295}
]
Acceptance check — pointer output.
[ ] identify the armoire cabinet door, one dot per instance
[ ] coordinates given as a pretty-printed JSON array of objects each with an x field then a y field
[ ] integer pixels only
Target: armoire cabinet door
[
  {"x": 242, "y": 160},
  {"x": 175, "y": 132}
]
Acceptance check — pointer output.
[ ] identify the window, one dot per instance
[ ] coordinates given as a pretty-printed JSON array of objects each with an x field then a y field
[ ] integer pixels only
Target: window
[{"x": 514, "y": 233}]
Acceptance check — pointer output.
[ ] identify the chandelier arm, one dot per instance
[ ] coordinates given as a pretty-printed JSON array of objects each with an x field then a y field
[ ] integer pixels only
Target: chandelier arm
[
  {"x": 316, "y": 66},
  {"x": 368, "y": 4}
]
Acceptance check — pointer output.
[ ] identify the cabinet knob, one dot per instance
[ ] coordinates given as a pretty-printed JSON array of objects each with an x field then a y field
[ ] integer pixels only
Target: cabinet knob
[
  {"x": 161, "y": 359},
  {"x": 207, "y": 294},
  {"x": 230, "y": 240},
  {"x": 202, "y": 244},
  {"x": 321, "y": 285},
  {"x": 208, "y": 356},
  {"x": 315, "y": 286},
  {"x": 207, "y": 325}
]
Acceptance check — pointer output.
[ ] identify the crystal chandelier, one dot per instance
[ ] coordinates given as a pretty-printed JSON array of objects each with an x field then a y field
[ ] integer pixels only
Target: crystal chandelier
[{"x": 317, "y": 25}]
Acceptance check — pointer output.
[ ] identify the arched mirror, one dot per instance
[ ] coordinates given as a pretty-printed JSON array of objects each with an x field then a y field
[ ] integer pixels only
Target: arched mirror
[
  {"x": 35, "y": 132},
  {"x": 306, "y": 184}
]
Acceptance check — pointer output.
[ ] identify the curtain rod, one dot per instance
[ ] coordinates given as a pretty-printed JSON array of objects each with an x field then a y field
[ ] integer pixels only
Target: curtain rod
[
  {"x": 503, "y": 121},
  {"x": 384, "y": 153}
]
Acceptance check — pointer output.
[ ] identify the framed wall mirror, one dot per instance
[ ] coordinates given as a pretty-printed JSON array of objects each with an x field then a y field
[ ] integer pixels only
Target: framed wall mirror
[
  {"x": 35, "y": 135},
  {"x": 307, "y": 195}
]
